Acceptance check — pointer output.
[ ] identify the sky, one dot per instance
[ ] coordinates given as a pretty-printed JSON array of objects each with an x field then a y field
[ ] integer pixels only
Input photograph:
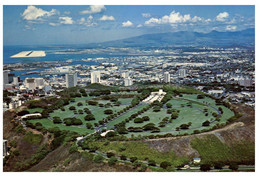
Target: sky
[{"x": 43, "y": 24}]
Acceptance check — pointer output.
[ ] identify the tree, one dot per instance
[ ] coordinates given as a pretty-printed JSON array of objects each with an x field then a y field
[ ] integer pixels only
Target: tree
[
  {"x": 112, "y": 160},
  {"x": 145, "y": 118},
  {"x": 123, "y": 157},
  {"x": 205, "y": 167},
  {"x": 72, "y": 108},
  {"x": 23, "y": 112},
  {"x": 110, "y": 154},
  {"x": 169, "y": 105},
  {"x": 174, "y": 115},
  {"x": 92, "y": 102},
  {"x": 89, "y": 125},
  {"x": 206, "y": 123},
  {"x": 149, "y": 126},
  {"x": 79, "y": 104},
  {"x": 57, "y": 120},
  {"x": 138, "y": 120},
  {"x": 233, "y": 166},
  {"x": 184, "y": 126},
  {"x": 218, "y": 165},
  {"x": 165, "y": 164},
  {"x": 108, "y": 111},
  {"x": 156, "y": 109},
  {"x": 151, "y": 163}
]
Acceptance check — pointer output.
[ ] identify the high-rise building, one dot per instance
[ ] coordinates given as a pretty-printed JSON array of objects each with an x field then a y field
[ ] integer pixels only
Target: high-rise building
[
  {"x": 95, "y": 77},
  {"x": 39, "y": 82},
  {"x": 5, "y": 78},
  {"x": 182, "y": 72},
  {"x": 125, "y": 75},
  {"x": 16, "y": 80},
  {"x": 10, "y": 77},
  {"x": 71, "y": 80},
  {"x": 128, "y": 81},
  {"x": 30, "y": 83},
  {"x": 167, "y": 77}
]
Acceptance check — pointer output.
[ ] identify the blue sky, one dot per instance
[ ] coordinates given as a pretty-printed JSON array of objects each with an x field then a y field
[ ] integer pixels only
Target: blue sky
[{"x": 27, "y": 25}]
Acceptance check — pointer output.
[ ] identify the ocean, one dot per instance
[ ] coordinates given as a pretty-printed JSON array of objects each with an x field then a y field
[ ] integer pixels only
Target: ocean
[{"x": 50, "y": 56}]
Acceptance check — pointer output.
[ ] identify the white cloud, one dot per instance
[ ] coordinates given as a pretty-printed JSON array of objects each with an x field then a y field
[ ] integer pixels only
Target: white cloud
[
  {"x": 34, "y": 13},
  {"x": 87, "y": 22},
  {"x": 196, "y": 19},
  {"x": 107, "y": 18},
  {"x": 222, "y": 16},
  {"x": 146, "y": 15},
  {"x": 54, "y": 24},
  {"x": 173, "y": 18},
  {"x": 66, "y": 20},
  {"x": 94, "y": 9},
  {"x": 139, "y": 26},
  {"x": 127, "y": 24},
  {"x": 231, "y": 28}
]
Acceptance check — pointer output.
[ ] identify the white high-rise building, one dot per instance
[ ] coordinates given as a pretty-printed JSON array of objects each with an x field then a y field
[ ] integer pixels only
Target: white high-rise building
[
  {"x": 30, "y": 83},
  {"x": 125, "y": 75},
  {"x": 39, "y": 82},
  {"x": 182, "y": 72},
  {"x": 95, "y": 77},
  {"x": 71, "y": 80},
  {"x": 128, "y": 81},
  {"x": 5, "y": 79},
  {"x": 16, "y": 80},
  {"x": 167, "y": 77}
]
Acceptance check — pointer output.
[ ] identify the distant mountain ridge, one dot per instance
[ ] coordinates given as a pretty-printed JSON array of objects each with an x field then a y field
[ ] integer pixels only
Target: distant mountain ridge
[{"x": 186, "y": 38}]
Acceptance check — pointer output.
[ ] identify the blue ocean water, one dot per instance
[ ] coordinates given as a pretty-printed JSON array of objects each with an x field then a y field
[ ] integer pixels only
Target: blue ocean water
[{"x": 50, "y": 56}]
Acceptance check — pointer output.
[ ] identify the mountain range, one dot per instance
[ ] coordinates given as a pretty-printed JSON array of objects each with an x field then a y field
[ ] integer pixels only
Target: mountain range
[{"x": 186, "y": 38}]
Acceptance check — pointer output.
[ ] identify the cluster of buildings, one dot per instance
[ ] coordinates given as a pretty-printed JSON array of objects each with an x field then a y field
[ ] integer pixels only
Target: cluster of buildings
[{"x": 227, "y": 73}]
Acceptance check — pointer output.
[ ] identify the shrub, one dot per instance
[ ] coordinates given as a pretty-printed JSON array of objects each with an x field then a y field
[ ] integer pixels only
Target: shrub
[
  {"x": 73, "y": 149},
  {"x": 138, "y": 120},
  {"x": 168, "y": 105},
  {"x": 89, "y": 117},
  {"x": 143, "y": 168},
  {"x": 112, "y": 161},
  {"x": 174, "y": 115},
  {"x": 98, "y": 159},
  {"x": 151, "y": 163},
  {"x": 205, "y": 167},
  {"x": 110, "y": 154},
  {"x": 16, "y": 152},
  {"x": 123, "y": 157},
  {"x": 165, "y": 164},
  {"x": 89, "y": 126},
  {"x": 92, "y": 102},
  {"x": 133, "y": 159},
  {"x": 23, "y": 112}
]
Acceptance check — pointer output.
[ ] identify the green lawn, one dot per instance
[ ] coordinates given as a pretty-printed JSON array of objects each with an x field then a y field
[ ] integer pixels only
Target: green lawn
[
  {"x": 33, "y": 110},
  {"x": 141, "y": 151},
  {"x": 211, "y": 149},
  {"x": 187, "y": 114}
]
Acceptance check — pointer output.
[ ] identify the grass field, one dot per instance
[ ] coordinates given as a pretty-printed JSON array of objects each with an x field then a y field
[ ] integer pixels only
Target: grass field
[
  {"x": 187, "y": 114},
  {"x": 211, "y": 149},
  {"x": 141, "y": 151},
  {"x": 194, "y": 114}
]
